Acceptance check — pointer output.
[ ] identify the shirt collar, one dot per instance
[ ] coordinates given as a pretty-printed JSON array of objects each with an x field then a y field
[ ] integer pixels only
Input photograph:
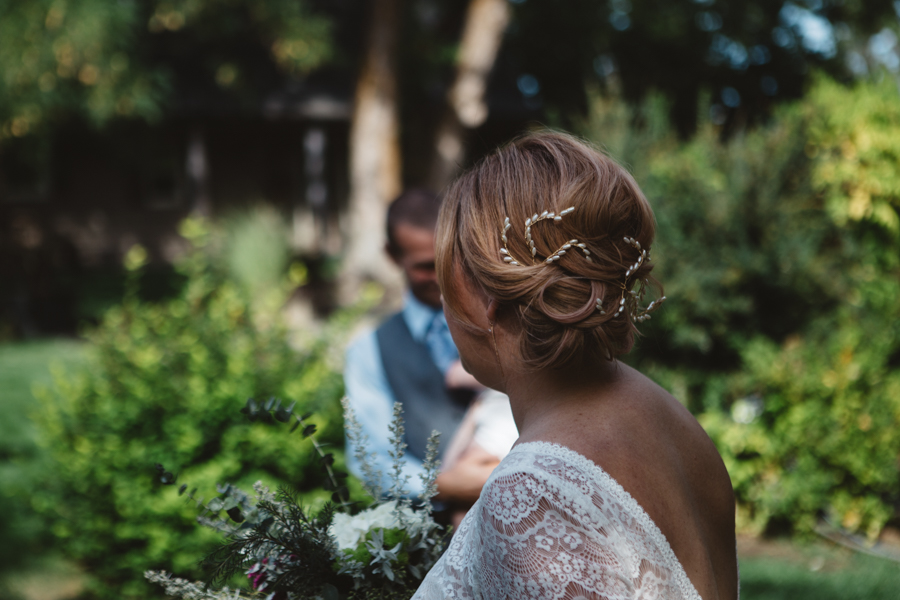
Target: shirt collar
[{"x": 418, "y": 316}]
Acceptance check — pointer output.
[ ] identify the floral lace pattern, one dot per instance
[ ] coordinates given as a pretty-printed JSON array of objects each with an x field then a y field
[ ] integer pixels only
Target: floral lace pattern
[{"x": 551, "y": 524}]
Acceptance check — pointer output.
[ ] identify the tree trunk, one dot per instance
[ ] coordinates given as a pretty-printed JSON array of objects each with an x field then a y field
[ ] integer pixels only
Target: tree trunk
[
  {"x": 197, "y": 167},
  {"x": 486, "y": 20},
  {"x": 375, "y": 170}
]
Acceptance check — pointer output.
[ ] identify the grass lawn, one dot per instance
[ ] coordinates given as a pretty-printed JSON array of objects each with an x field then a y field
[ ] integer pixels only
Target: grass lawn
[
  {"x": 23, "y": 365},
  {"x": 864, "y": 578},
  {"x": 23, "y": 540},
  {"x": 782, "y": 570}
]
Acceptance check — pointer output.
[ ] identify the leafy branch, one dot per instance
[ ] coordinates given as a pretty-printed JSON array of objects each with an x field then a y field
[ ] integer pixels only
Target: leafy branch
[{"x": 271, "y": 411}]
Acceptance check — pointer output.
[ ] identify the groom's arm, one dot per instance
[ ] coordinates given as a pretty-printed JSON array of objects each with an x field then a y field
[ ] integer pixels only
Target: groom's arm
[{"x": 463, "y": 482}]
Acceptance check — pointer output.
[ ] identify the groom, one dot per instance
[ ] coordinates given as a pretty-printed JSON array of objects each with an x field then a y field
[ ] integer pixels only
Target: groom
[{"x": 411, "y": 358}]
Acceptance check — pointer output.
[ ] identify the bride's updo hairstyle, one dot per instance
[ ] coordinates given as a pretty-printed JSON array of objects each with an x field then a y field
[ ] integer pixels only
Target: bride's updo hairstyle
[{"x": 556, "y": 304}]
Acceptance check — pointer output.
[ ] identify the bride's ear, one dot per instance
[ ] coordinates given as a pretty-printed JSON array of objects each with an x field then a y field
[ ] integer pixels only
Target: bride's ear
[{"x": 492, "y": 307}]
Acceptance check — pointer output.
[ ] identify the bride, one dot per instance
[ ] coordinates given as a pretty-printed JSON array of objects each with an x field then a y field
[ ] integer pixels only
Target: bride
[{"x": 613, "y": 491}]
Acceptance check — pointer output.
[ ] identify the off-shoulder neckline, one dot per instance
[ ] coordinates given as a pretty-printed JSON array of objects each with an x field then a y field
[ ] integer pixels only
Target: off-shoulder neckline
[{"x": 627, "y": 500}]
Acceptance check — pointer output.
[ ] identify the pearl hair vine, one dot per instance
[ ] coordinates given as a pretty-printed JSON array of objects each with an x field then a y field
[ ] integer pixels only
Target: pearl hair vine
[
  {"x": 638, "y": 314},
  {"x": 529, "y": 223}
]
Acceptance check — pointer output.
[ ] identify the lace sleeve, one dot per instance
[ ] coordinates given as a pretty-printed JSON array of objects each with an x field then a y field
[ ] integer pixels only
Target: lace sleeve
[{"x": 551, "y": 526}]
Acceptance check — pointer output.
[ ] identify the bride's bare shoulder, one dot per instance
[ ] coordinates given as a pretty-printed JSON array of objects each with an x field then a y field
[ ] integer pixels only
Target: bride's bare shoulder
[
  {"x": 656, "y": 430},
  {"x": 673, "y": 452}
]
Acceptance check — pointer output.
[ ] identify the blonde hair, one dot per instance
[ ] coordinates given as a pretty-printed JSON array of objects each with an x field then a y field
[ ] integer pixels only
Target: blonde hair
[{"x": 556, "y": 303}]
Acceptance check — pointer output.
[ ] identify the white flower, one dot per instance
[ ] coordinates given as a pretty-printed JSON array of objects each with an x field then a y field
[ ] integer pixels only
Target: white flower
[{"x": 349, "y": 531}]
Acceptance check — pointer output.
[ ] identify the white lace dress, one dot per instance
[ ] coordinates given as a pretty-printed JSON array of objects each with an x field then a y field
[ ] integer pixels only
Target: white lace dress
[{"x": 551, "y": 524}]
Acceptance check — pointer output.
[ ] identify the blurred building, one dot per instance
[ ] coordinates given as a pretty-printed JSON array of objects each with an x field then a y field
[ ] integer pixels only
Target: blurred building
[{"x": 72, "y": 203}]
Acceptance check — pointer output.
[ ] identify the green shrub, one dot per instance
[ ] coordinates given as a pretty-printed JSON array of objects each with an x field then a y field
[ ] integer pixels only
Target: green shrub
[
  {"x": 257, "y": 254},
  {"x": 814, "y": 430},
  {"x": 164, "y": 384},
  {"x": 779, "y": 252},
  {"x": 22, "y": 365},
  {"x": 853, "y": 141}
]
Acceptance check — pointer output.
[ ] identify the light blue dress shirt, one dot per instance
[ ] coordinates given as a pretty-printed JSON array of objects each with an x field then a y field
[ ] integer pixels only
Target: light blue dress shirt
[{"x": 371, "y": 396}]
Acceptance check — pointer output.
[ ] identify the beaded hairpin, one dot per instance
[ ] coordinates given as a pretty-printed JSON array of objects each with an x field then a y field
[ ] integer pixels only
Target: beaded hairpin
[
  {"x": 529, "y": 223},
  {"x": 637, "y": 314}
]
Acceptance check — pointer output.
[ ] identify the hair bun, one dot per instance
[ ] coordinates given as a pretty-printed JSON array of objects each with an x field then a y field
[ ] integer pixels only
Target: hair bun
[{"x": 559, "y": 232}]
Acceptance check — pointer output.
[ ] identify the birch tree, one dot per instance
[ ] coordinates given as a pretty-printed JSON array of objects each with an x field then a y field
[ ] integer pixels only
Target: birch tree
[
  {"x": 485, "y": 22},
  {"x": 375, "y": 163}
]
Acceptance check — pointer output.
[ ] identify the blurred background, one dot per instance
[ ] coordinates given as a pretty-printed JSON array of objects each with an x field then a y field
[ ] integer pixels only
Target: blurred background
[{"x": 192, "y": 195}]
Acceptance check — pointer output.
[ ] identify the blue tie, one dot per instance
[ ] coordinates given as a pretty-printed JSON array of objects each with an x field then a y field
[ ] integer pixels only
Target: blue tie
[{"x": 440, "y": 343}]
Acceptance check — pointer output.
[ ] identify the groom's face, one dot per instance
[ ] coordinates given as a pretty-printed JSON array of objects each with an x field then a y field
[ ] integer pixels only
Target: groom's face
[{"x": 415, "y": 255}]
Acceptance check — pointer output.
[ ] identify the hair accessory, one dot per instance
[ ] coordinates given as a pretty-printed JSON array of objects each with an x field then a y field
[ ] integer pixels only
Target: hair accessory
[
  {"x": 643, "y": 254},
  {"x": 529, "y": 223},
  {"x": 638, "y": 314}
]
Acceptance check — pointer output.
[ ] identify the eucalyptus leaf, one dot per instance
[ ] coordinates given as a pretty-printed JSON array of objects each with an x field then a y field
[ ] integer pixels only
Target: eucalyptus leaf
[
  {"x": 329, "y": 592},
  {"x": 235, "y": 514}
]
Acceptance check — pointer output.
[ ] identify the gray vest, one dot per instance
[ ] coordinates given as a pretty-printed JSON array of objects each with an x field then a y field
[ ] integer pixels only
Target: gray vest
[{"x": 419, "y": 385}]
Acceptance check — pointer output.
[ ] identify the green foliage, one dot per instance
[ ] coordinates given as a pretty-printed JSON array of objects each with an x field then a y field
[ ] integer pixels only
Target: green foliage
[
  {"x": 107, "y": 59},
  {"x": 781, "y": 331},
  {"x": 825, "y": 438},
  {"x": 285, "y": 533},
  {"x": 165, "y": 384},
  {"x": 21, "y": 366},
  {"x": 387, "y": 538},
  {"x": 57, "y": 54},
  {"x": 854, "y": 135},
  {"x": 257, "y": 253}
]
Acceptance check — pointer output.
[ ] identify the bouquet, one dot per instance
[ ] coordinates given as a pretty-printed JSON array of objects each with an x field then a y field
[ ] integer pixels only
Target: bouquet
[{"x": 382, "y": 551}]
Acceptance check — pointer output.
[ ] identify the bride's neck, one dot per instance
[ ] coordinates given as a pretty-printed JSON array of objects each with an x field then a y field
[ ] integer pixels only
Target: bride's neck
[{"x": 539, "y": 398}]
